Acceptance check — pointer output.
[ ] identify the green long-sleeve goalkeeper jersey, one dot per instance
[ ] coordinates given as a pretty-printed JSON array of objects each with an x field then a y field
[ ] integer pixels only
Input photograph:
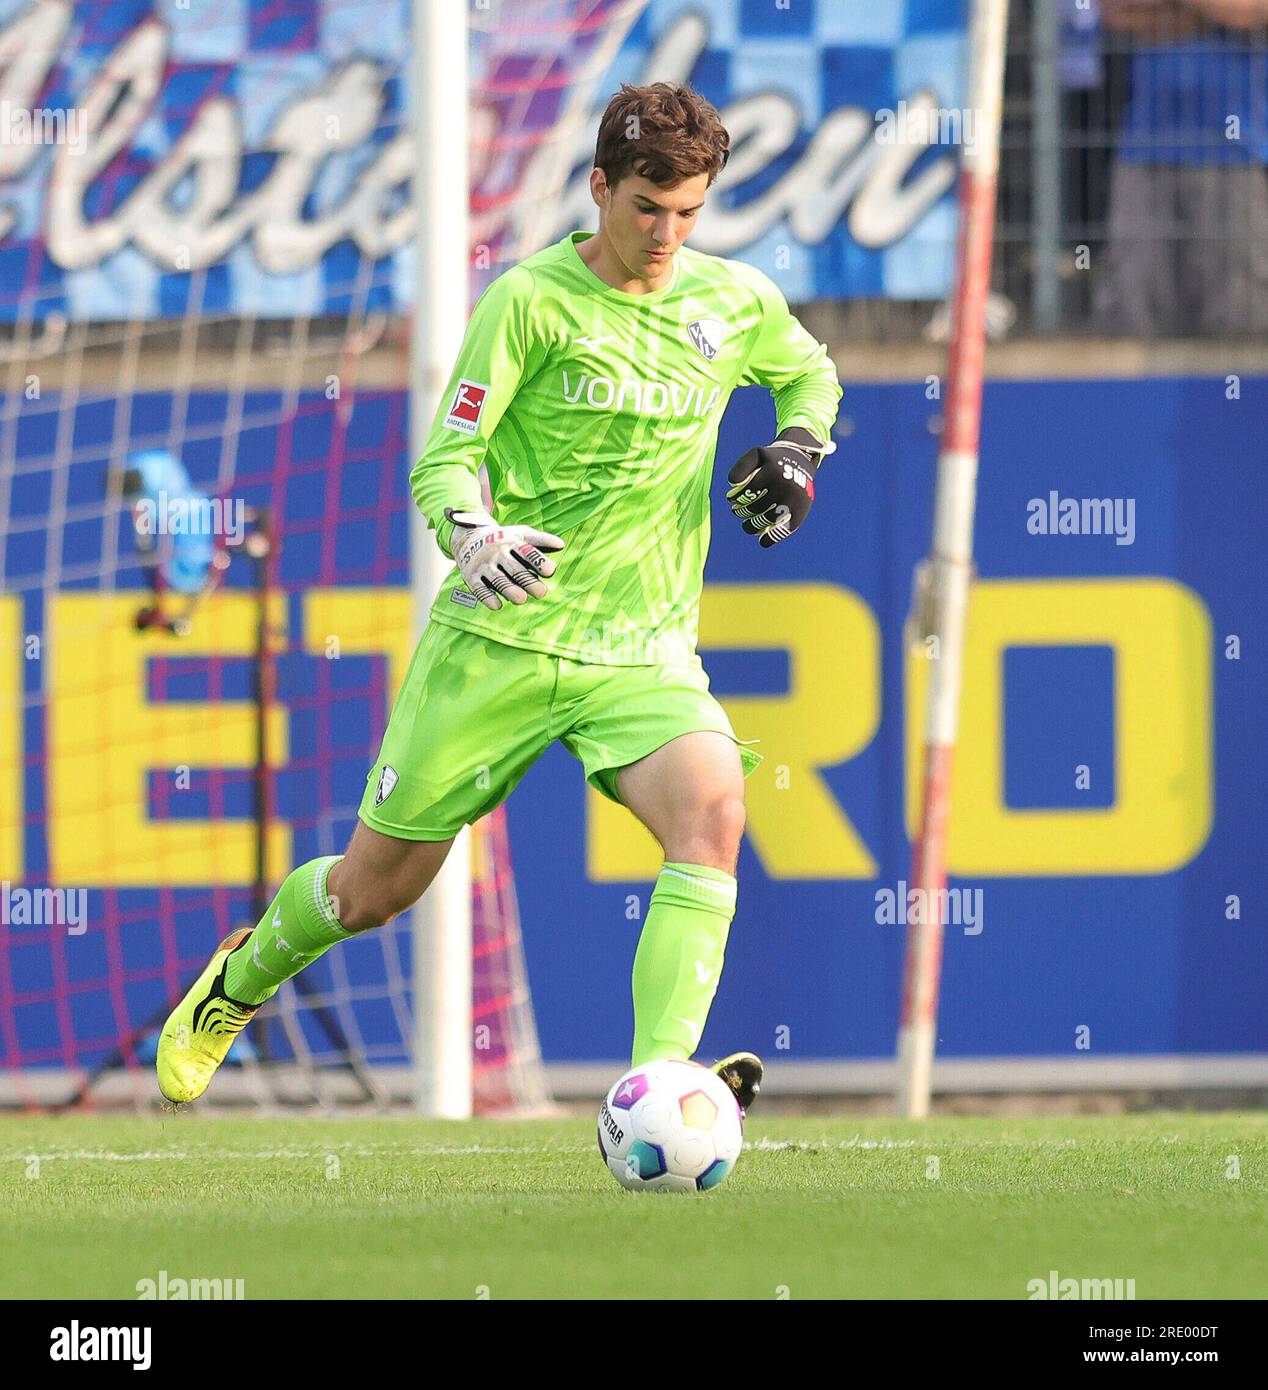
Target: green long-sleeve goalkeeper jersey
[{"x": 597, "y": 414}]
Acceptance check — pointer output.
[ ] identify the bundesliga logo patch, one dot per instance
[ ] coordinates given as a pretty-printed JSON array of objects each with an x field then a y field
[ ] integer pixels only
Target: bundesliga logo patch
[{"x": 468, "y": 402}]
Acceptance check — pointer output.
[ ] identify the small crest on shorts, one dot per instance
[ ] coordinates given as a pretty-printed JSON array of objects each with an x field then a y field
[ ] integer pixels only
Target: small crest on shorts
[{"x": 387, "y": 780}]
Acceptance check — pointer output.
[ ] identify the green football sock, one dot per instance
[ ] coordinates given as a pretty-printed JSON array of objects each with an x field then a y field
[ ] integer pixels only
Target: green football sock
[
  {"x": 679, "y": 959},
  {"x": 299, "y": 926}
]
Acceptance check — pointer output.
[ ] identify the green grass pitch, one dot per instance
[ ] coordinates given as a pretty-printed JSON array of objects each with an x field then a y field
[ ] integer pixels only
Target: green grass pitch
[{"x": 817, "y": 1208}]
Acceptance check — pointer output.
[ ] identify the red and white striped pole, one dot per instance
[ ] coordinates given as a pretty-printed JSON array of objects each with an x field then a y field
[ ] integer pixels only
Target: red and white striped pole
[{"x": 943, "y": 579}]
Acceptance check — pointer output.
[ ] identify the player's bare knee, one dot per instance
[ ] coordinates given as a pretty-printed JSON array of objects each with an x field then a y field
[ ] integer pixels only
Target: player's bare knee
[
  {"x": 380, "y": 877},
  {"x": 351, "y": 912},
  {"x": 365, "y": 911},
  {"x": 726, "y": 818},
  {"x": 361, "y": 904},
  {"x": 711, "y": 834}
]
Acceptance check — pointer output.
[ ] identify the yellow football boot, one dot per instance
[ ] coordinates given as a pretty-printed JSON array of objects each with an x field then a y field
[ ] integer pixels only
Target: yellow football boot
[
  {"x": 742, "y": 1072},
  {"x": 200, "y": 1031}
]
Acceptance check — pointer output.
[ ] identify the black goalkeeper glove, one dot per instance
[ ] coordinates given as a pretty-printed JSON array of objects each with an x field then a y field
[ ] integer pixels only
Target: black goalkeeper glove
[{"x": 773, "y": 486}]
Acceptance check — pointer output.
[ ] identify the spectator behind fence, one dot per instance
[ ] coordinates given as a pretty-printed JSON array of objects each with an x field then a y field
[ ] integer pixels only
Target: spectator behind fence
[{"x": 1188, "y": 219}]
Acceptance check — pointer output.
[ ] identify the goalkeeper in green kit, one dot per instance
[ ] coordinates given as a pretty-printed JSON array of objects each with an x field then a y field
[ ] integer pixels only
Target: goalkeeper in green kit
[{"x": 591, "y": 382}]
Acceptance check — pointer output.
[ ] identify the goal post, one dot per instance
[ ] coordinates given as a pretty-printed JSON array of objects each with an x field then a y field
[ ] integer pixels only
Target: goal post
[
  {"x": 442, "y": 932},
  {"x": 942, "y": 580}
]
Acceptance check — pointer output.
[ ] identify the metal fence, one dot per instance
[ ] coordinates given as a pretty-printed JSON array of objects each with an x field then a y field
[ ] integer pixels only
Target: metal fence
[{"x": 1133, "y": 189}]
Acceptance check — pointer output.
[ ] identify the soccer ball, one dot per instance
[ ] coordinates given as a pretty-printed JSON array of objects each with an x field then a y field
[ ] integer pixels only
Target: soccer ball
[{"x": 670, "y": 1127}]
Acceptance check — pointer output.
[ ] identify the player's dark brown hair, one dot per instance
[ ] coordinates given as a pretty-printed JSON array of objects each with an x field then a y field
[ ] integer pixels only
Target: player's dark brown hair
[{"x": 663, "y": 133}]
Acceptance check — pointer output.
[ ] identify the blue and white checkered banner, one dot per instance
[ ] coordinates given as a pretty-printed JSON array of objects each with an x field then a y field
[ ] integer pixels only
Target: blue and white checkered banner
[{"x": 160, "y": 158}]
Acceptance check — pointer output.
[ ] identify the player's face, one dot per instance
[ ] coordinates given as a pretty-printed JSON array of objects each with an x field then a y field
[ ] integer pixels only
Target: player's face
[{"x": 646, "y": 224}]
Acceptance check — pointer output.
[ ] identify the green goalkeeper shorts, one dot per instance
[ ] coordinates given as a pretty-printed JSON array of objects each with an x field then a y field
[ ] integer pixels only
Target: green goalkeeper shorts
[{"x": 473, "y": 715}]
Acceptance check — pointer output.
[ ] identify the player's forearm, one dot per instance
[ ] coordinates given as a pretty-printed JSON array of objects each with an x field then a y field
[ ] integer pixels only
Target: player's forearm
[
  {"x": 811, "y": 401},
  {"x": 435, "y": 486}
]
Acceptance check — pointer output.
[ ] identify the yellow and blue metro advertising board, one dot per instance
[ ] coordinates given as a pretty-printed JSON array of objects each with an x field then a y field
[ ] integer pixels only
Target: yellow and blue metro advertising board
[{"x": 1109, "y": 778}]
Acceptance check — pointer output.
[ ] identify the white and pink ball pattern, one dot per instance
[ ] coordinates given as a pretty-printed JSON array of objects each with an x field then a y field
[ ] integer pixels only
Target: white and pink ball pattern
[{"x": 670, "y": 1127}]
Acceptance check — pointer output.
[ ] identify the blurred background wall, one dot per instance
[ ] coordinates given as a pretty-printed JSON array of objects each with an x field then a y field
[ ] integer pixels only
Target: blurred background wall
[{"x": 1109, "y": 800}]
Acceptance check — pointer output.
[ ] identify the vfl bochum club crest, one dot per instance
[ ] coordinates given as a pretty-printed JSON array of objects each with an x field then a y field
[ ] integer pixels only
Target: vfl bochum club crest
[
  {"x": 706, "y": 337},
  {"x": 387, "y": 780}
]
